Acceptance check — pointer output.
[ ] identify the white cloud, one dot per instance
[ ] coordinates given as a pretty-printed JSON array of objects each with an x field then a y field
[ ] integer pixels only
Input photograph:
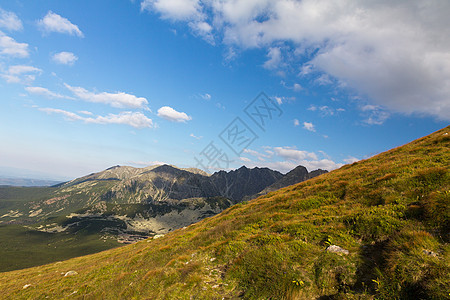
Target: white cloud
[
  {"x": 55, "y": 23},
  {"x": 10, "y": 21},
  {"x": 118, "y": 99},
  {"x": 147, "y": 163},
  {"x": 133, "y": 119},
  {"x": 21, "y": 74},
  {"x": 281, "y": 100},
  {"x": 183, "y": 10},
  {"x": 374, "y": 114},
  {"x": 174, "y": 9},
  {"x": 206, "y": 96},
  {"x": 297, "y": 87},
  {"x": 21, "y": 69},
  {"x": 309, "y": 126},
  {"x": 274, "y": 55},
  {"x": 396, "y": 54},
  {"x": 325, "y": 110},
  {"x": 244, "y": 159},
  {"x": 8, "y": 46},
  {"x": 290, "y": 158},
  {"x": 65, "y": 58},
  {"x": 195, "y": 137},
  {"x": 296, "y": 122},
  {"x": 69, "y": 115},
  {"x": 204, "y": 30},
  {"x": 294, "y": 154},
  {"x": 37, "y": 90},
  {"x": 351, "y": 160},
  {"x": 85, "y": 112},
  {"x": 171, "y": 114}
]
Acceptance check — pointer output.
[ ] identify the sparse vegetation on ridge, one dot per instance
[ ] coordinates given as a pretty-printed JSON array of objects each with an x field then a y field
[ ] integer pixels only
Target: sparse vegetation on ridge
[{"x": 391, "y": 212}]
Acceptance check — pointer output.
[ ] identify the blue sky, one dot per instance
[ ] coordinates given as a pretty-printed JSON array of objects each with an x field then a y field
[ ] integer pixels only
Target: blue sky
[{"x": 85, "y": 85}]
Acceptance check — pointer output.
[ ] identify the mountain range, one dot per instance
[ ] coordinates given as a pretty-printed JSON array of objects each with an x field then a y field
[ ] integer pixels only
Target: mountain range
[{"x": 127, "y": 204}]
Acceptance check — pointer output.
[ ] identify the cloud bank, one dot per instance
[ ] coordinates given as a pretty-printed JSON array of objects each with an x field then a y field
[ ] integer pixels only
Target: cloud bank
[{"x": 395, "y": 54}]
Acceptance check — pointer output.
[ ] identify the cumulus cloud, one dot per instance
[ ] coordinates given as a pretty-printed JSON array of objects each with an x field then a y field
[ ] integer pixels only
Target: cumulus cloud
[
  {"x": 65, "y": 58},
  {"x": 118, "y": 99},
  {"x": 37, "y": 90},
  {"x": 9, "y": 47},
  {"x": 172, "y": 115},
  {"x": 55, "y": 23},
  {"x": 309, "y": 126},
  {"x": 133, "y": 119},
  {"x": 10, "y": 21},
  {"x": 396, "y": 54}
]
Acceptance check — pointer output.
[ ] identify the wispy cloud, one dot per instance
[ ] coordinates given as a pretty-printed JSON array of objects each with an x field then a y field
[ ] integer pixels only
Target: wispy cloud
[
  {"x": 37, "y": 90},
  {"x": 65, "y": 58},
  {"x": 55, "y": 23},
  {"x": 285, "y": 159},
  {"x": 133, "y": 119},
  {"x": 174, "y": 9},
  {"x": 195, "y": 137},
  {"x": 206, "y": 96},
  {"x": 118, "y": 99},
  {"x": 326, "y": 110},
  {"x": 351, "y": 160},
  {"x": 374, "y": 114},
  {"x": 296, "y": 122},
  {"x": 172, "y": 115},
  {"x": 21, "y": 74}
]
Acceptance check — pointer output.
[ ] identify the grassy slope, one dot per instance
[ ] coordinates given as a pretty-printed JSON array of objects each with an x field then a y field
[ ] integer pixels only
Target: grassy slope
[{"x": 385, "y": 210}]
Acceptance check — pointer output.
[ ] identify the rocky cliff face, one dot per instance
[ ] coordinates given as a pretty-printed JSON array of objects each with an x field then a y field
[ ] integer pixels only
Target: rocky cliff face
[
  {"x": 296, "y": 175},
  {"x": 237, "y": 184}
]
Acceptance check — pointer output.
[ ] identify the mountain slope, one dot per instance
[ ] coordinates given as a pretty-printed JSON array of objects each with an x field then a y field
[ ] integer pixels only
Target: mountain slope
[{"x": 390, "y": 212}]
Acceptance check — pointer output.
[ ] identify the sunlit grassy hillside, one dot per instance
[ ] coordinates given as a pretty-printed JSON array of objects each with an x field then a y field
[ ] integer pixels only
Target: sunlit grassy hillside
[{"x": 391, "y": 212}]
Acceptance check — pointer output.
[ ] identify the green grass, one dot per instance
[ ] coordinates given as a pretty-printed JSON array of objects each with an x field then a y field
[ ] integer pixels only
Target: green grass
[
  {"x": 391, "y": 212},
  {"x": 21, "y": 247}
]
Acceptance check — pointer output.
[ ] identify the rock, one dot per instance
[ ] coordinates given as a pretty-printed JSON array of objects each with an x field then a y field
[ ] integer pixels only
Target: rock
[
  {"x": 158, "y": 236},
  {"x": 430, "y": 253},
  {"x": 26, "y": 286},
  {"x": 70, "y": 273},
  {"x": 337, "y": 249}
]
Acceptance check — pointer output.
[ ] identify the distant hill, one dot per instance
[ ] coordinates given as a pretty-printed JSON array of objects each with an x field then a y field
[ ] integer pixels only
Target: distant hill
[
  {"x": 27, "y": 182},
  {"x": 375, "y": 229}
]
